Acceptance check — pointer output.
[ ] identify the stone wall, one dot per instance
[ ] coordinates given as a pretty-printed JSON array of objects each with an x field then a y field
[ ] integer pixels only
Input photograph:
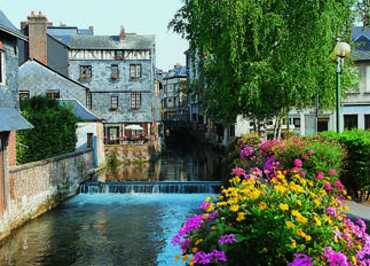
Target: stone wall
[
  {"x": 37, "y": 187},
  {"x": 134, "y": 152}
]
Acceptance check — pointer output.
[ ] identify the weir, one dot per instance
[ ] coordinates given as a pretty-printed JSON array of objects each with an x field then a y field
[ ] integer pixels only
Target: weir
[{"x": 151, "y": 187}]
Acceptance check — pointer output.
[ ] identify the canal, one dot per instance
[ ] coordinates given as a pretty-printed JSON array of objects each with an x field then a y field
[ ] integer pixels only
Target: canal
[{"x": 100, "y": 228}]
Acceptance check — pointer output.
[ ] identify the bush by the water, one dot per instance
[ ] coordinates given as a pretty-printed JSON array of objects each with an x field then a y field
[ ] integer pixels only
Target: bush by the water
[
  {"x": 356, "y": 172},
  {"x": 54, "y": 130},
  {"x": 285, "y": 206}
]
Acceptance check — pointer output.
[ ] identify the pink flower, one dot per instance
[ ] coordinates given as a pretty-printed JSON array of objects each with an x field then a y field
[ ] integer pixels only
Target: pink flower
[
  {"x": 238, "y": 171},
  {"x": 338, "y": 185},
  {"x": 311, "y": 152},
  {"x": 302, "y": 173},
  {"x": 227, "y": 239},
  {"x": 320, "y": 175},
  {"x": 328, "y": 187},
  {"x": 332, "y": 172},
  {"x": 331, "y": 211},
  {"x": 298, "y": 163},
  {"x": 205, "y": 205}
]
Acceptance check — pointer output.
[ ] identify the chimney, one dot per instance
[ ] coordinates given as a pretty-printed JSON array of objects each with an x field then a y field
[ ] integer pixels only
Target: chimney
[
  {"x": 37, "y": 34},
  {"x": 122, "y": 35},
  {"x": 91, "y": 29}
]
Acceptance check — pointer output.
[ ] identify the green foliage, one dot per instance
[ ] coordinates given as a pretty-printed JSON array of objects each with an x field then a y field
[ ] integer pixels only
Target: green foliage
[
  {"x": 260, "y": 58},
  {"x": 54, "y": 130},
  {"x": 356, "y": 174},
  {"x": 113, "y": 163}
]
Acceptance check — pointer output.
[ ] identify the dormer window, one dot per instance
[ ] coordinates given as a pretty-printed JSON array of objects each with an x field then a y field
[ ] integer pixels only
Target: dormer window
[{"x": 119, "y": 55}]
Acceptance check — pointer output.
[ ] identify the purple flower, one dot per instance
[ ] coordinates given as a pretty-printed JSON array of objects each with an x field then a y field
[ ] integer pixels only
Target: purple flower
[
  {"x": 298, "y": 163},
  {"x": 246, "y": 152},
  {"x": 191, "y": 224},
  {"x": 335, "y": 258},
  {"x": 256, "y": 171},
  {"x": 205, "y": 205},
  {"x": 301, "y": 259},
  {"x": 238, "y": 171},
  {"x": 212, "y": 215},
  {"x": 227, "y": 239},
  {"x": 202, "y": 258},
  {"x": 219, "y": 256},
  {"x": 331, "y": 211}
]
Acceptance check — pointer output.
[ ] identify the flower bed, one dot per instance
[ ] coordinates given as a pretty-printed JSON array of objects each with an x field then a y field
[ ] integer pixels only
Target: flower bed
[{"x": 284, "y": 207}]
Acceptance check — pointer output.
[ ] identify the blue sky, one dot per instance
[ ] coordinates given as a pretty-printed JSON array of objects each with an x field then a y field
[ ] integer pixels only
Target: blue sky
[{"x": 140, "y": 16}]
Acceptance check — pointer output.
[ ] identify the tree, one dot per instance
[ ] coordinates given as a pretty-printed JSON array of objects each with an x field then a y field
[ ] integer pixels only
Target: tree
[
  {"x": 363, "y": 8},
  {"x": 261, "y": 58},
  {"x": 54, "y": 130}
]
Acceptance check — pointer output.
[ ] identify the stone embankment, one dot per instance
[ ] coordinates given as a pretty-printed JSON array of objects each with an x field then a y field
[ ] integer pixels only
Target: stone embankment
[{"x": 37, "y": 187}]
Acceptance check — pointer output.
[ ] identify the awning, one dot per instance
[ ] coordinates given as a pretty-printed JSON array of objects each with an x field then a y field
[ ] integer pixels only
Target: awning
[
  {"x": 134, "y": 127},
  {"x": 12, "y": 120}
]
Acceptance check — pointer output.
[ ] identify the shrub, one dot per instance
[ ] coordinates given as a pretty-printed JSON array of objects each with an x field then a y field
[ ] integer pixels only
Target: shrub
[
  {"x": 286, "y": 209},
  {"x": 356, "y": 174},
  {"x": 54, "y": 130}
]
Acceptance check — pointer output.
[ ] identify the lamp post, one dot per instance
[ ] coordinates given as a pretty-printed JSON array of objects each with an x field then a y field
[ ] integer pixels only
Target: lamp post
[{"x": 341, "y": 51}]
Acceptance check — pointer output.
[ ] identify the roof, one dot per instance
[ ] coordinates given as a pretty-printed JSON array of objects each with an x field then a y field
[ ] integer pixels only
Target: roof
[
  {"x": 56, "y": 72},
  {"x": 361, "y": 39},
  {"x": 7, "y": 26},
  {"x": 80, "y": 111},
  {"x": 177, "y": 72},
  {"x": 68, "y": 30},
  {"x": 12, "y": 120},
  {"x": 132, "y": 41}
]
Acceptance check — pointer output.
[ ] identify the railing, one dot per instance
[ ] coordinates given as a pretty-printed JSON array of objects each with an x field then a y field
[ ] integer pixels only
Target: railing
[{"x": 126, "y": 140}]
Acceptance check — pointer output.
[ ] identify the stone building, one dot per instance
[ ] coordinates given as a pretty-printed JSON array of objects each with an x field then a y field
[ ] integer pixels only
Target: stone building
[
  {"x": 174, "y": 100},
  {"x": 120, "y": 72},
  {"x": 10, "y": 118}
]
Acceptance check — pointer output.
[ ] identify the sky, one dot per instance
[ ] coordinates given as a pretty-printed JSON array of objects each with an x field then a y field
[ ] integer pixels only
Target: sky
[{"x": 140, "y": 16}]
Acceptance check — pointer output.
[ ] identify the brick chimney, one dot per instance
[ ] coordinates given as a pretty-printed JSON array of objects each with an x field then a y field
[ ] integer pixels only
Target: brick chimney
[
  {"x": 122, "y": 35},
  {"x": 37, "y": 33}
]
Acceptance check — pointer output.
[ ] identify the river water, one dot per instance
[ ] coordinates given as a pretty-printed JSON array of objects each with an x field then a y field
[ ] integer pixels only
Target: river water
[{"x": 104, "y": 229}]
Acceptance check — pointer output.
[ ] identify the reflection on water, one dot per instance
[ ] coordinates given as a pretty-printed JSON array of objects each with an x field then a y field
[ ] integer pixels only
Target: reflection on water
[
  {"x": 176, "y": 164},
  {"x": 102, "y": 230}
]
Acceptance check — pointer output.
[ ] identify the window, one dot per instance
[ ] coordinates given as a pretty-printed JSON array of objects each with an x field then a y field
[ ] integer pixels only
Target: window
[
  {"x": 90, "y": 137},
  {"x": 119, "y": 55},
  {"x": 115, "y": 72},
  {"x": 85, "y": 72},
  {"x": 350, "y": 122},
  {"x": 89, "y": 100},
  {"x": 135, "y": 100},
  {"x": 53, "y": 94},
  {"x": 367, "y": 122},
  {"x": 2, "y": 67},
  {"x": 24, "y": 96},
  {"x": 113, "y": 135},
  {"x": 135, "y": 71},
  {"x": 322, "y": 124},
  {"x": 114, "y": 102},
  {"x": 297, "y": 122}
]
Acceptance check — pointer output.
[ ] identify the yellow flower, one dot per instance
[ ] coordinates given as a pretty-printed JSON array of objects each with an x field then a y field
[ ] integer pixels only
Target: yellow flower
[
  {"x": 240, "y": 217},
  {"x": 185, "y": 257},
  {"x": 211, "y": 207},
  {"x": 194, "y": 250},
  {"x": 354, "y": 260},
  {"x": 234, "y": 208},
  {"x": 198, "y": 242},
  {"x": 177, "y": 257},
  {"x": 280, "y": 189},
  {"x": 283, "y": 207},
  {"x": 221, "y": 203},
  {"x": 317, "y": 220},
  {"x": 293, "y": 244},
  {"x": 191, "y": 262},
  {"x": 299, "y": 217},
  {"x": 289, "y": 224},
  {"x": 317, "y": 202},
  {"x": 262, "y": 205},
  {"x": 308, "y": 238}
]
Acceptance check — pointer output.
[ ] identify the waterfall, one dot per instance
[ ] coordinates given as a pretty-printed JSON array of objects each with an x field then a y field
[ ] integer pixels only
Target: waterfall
[{"x": 151, "y": 187}]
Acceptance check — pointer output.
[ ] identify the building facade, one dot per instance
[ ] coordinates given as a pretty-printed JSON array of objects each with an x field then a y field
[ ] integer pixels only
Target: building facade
[
  {"x": 10, "y": 118},
  {"x": 174, "y": 99},
  {"x": 120, "y": 72}
]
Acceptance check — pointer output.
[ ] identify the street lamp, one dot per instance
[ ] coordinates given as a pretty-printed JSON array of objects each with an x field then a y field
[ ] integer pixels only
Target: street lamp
[{"x": 342, "y": 50}]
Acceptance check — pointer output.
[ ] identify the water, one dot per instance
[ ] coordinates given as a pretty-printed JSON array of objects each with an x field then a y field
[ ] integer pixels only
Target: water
[
  {"x": 189, "y": 163},
  {"x": 103, "y": 229}
]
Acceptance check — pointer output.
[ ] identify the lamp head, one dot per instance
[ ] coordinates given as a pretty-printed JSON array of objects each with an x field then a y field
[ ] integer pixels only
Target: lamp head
[{"x": 342, "y": 49}]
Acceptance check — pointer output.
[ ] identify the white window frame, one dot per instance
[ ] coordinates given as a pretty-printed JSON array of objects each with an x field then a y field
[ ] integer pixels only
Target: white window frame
[{"x": 3, "y": 67}]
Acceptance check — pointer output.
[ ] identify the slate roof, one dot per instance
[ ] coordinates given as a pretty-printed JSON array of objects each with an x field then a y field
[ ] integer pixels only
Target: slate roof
[
  {"x": 132, "y": 41},
  {"x": 80, "y": 111},
  {"x": 7, "y": 26},
  {"x": 177, "y": 72},
  {"x": 68, "y": 30},
  {"x": 361, "y": 39},
  {"x": 11, "y": 120}
]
